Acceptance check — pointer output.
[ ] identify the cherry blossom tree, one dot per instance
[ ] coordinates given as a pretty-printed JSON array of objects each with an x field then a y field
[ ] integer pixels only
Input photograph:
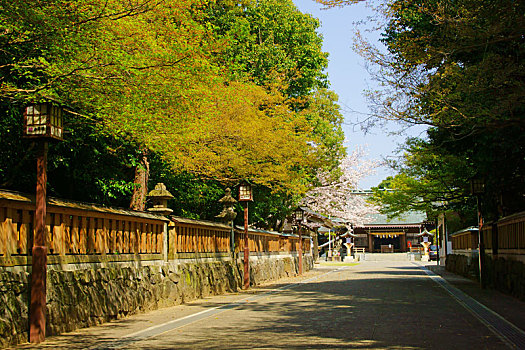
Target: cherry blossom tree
[{"x": 337, "y": 194}]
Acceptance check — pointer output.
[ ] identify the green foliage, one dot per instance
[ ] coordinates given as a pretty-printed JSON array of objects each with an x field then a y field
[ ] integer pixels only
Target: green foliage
[
  {"x": 214, "y": 91},
  {"x": 458, "y": 67},
  {"x": 271, "y": 42}
]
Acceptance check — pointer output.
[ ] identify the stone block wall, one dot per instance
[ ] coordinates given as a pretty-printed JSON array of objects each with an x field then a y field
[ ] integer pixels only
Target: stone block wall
[
  {"x": 14, "y": 301},
  {"x": 505, "y": 275},
  {"x": 87, "y": 297},
  {"x": 464, "y": 265}
]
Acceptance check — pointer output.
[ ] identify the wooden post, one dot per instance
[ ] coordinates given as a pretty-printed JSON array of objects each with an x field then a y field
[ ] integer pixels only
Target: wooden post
[
  {"x": 246, "y": 249},
  {"x": 481, "y": 245},
  {"x": 300, "y": 251},
  {"x": 37, "y": 309}
]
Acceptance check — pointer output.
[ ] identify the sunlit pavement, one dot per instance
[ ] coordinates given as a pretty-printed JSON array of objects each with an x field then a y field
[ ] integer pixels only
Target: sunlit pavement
[{"x": 372, "y": 305}]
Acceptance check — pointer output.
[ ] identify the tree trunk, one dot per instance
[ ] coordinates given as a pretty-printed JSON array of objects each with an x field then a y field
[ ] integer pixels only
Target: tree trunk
[{"x": 140, "y": 190}]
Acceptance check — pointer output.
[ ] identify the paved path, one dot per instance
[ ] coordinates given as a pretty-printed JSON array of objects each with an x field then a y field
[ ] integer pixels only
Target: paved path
[{"x": 373, "y": 305}]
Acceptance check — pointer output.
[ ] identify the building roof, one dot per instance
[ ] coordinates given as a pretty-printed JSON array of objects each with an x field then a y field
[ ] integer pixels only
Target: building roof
[
  {"x": 468, "y": 229},
  {"x": 410, "y": 218}
]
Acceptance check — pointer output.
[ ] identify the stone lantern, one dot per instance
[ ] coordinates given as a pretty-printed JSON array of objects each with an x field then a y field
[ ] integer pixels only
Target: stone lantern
[
  {"x": 159, "y": 199},
  {"x": 227, "y": 214},
  {"x": 425, "y": 243}
]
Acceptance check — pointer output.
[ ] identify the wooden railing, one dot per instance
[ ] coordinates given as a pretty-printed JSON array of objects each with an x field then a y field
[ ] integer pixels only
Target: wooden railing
[
  {"x": 271, "y": 242},
  {"x": 77, "y": 228},
  {"x": 416, "y": 249}
]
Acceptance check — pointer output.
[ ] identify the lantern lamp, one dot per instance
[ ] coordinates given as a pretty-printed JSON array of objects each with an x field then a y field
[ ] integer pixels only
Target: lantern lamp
[
  {"x": 299, "y": 215},
  {"x": 245, "y": 192},
  {"x": 477, "y": 186},
  {"x": 43, "y": 120}
]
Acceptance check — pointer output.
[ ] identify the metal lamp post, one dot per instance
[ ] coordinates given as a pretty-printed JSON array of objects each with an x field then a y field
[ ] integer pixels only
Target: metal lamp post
[
  {"x": 299, "y": 219},
  {"x": 42, "y": 122},
  {"x": 477, "y": 188},
  {"x": 245, "y": 196}
]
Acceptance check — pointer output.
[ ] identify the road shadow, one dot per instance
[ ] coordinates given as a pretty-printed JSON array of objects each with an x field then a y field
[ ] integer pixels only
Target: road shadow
[{"x": 377, "y": 308}]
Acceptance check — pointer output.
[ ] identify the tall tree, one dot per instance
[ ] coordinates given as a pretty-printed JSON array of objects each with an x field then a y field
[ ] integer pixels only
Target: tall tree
[
  {"x": 457, "y": 67},
  {"x": 156, "y": 78}
]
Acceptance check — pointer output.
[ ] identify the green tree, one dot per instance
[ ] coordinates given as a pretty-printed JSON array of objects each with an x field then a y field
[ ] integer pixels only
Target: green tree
[
  {"x": 457, "y": 67},
  {"x": 145, "y": 78}
]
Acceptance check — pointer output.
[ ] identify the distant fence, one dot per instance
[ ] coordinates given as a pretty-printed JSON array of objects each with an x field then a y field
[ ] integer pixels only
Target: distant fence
[
  {"x": 85, "y": 232},
  {"x": 466, "y": 239},
  {"x": 260, "y": 241},
  {"x": 416, "y": 249},
  {"x": 195, "y": 236},
  {"x": 506, "y": 236},
  {"x": 203, "y": 238},
  {"x": 504, "y": 254}
]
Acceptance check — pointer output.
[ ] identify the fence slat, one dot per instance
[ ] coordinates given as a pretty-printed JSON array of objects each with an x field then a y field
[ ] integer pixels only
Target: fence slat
[
  {"x": 75, "y": 233},
  {"x": 3, "y": 231},
  {"x": 49, "y": 233},
  {"x": 127, "y": 241},
  {"x": 66, "y": 234},
  {"x": 91, "y": 236},
  {"x": 149, "y": 238},
  {"x": 83, "y": 235},
  {"x": 113, "y": 236},
  {"x": 25, "y": 232},
  {"x": 11, "y": 232},
  {"x": 104, "y": 234}
]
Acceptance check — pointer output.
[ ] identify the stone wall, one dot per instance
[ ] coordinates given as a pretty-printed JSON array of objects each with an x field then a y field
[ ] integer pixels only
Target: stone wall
[
  {"x": 464, "y": 265},
  {"x": 79, "y": 298},
  {"x": 505, "y": 275}
]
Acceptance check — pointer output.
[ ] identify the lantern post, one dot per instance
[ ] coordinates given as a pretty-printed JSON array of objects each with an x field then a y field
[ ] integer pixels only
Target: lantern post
[
  {"x": 42, "y": 123},
  {"x": 245, "y": 196},
  {"x": 477, "y": 188},
  {"x": 299, "y": 219}
]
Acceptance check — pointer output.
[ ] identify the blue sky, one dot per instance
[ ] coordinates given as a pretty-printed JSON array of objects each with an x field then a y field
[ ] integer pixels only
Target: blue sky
[{"x": 348, "y": 78}]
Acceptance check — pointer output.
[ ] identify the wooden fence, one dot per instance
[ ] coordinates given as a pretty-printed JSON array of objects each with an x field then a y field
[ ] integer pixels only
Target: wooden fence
[
  {"x": 204, "y": 237},
  {"x": 506, "y": 235},
  {"x": 260, "y": 241},
  {"x": 80, "y": 229},
  {"x": 465, "y": 239},
  {"x": 77, "y": 229},
  {"x": 198, "y": 236}
]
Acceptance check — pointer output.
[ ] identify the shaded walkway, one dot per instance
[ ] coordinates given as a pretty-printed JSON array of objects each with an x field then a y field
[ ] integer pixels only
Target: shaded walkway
[{"x": 374, "y": 305}]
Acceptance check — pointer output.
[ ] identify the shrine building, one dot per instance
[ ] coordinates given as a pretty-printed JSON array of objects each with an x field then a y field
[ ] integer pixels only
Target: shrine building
[{"x": 380, "y": 235}]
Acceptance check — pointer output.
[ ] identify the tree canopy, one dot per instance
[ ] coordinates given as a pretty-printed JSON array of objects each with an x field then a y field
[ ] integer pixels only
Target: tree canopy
[
  {"x": 215, "y": 91},
  {"x": 457, "y": 67}
]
